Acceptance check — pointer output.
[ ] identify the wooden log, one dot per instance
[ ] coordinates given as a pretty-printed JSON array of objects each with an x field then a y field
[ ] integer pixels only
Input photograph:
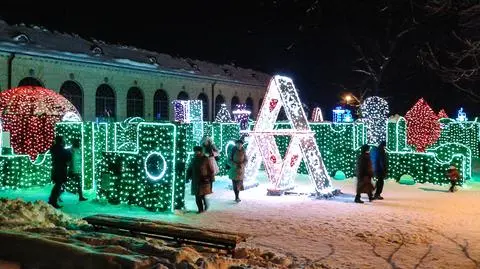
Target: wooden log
[
  {"x": 179, "y": 231},
  {"x": 179, "y": 225}
]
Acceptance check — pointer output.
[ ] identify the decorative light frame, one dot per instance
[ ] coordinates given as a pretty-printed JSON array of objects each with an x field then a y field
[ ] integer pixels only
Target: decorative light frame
[
  {"x": 375, "y": 114},
  {"x": 281, "y": 172},
  {"x": 317, "y": 115}
]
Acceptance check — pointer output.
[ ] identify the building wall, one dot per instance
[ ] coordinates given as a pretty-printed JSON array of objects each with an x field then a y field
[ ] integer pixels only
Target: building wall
[
  {"x": 53, "y": 72},
  {"x": 4, "y": 69}
]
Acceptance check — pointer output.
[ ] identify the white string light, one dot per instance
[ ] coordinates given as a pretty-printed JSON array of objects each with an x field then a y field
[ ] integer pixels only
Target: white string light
[
  {"x": 375, "y": 112},
  {"x": 223, "y": 115},
  {"x": 281, "y": 172},
  {"x": 317, "y": 115},
  {"x": 241, "y": 115},
  {"x": 190, "y": 111}
]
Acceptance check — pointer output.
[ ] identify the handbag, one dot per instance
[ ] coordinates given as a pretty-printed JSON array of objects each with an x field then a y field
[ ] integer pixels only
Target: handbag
[{"x": 214, "y": 165}]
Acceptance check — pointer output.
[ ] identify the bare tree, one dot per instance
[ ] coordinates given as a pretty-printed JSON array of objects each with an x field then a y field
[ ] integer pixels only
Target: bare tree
[
  {"x": 375, "y": 54},
  {"x": 455, "y": 56}
]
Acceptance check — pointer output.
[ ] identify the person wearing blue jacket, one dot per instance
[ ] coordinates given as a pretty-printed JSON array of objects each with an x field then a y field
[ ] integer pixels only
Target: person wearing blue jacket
[{"x": 381, "y": 166}]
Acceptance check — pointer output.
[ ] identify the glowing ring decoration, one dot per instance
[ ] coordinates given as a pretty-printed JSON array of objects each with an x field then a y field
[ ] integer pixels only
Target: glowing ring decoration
[{"x": 162, "y": 170}]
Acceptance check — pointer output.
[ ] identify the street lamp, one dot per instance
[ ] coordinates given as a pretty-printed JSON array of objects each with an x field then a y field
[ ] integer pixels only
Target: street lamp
[{"x": 349, "y": 97}]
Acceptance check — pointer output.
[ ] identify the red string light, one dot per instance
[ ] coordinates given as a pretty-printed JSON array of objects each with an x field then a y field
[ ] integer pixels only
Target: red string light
[
  {"x": 423, "y": 128},
  {"x": 30, "y": 113},
  {"x": 442, "y": 114}
]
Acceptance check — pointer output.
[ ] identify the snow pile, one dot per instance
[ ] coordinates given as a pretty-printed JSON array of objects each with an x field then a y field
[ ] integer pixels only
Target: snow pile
[
  {"x": 46, "y": 234},
  {"x": 20, "y": 215}
]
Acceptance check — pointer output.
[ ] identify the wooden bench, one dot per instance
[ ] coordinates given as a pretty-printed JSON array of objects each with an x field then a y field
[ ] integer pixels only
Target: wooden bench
[{"x": 162, "y": 230}]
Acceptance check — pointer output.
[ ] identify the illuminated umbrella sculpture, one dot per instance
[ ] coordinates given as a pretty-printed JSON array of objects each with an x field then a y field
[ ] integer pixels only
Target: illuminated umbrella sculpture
[{"x": 30, "y": 113}]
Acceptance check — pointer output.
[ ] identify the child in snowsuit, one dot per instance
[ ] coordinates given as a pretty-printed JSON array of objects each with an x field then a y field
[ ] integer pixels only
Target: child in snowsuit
[{"x": 453, "y": 175}]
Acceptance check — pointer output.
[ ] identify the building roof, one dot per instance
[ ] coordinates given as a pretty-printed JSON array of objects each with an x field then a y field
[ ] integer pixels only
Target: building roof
[{"x": 72, "y": 46}]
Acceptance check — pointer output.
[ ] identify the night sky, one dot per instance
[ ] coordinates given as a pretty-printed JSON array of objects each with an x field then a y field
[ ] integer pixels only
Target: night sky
[{"x": 308, "y": 40}]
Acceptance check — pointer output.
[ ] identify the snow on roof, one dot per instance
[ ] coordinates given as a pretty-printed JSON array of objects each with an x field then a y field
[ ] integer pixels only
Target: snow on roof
[{"x": 72, "y": 45}]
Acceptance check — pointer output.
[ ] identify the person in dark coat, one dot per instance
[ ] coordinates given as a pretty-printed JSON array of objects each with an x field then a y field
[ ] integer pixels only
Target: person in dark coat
[
  {"x": 61, "y": 157},
  {"x": 364, "y": 174},
  {"x": 201, "y": 173},
  {"x": 75, "y": 171},
  {"x": 380, "y": 170}
]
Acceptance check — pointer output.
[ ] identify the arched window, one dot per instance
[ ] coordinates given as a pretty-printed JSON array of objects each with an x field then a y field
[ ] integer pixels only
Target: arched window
[
  {"x": 249, "y": 105},
  {"x": 30, "y": 81},
  {"x": 160, "y": 105},
  {"x": 204, "y": 99},
  {"x": 134, "y": 102},
  {"x": 182, "y": 96},
  {"x": 105, "y": 102},
  {"x": 219, "y": 100},
  {"x": 22, "y": 38},
  {"x": 235, "y": 101},
  {"x": 73, "y": 93}
]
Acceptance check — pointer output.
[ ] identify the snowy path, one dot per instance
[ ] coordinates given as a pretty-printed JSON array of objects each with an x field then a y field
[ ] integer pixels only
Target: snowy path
[{"x": 419, "y": 226}]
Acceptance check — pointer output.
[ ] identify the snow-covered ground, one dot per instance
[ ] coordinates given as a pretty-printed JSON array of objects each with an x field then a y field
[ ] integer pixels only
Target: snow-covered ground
[{"x": 420, "y": 226}]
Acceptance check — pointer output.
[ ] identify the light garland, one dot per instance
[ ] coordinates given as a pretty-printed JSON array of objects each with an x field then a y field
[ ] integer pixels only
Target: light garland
[
  {"x": 465, "y": 133},
  {"x": 18, "y": 172},
  {"x": 223, "y": 114},
  {"x": 461, "y": 116},
  {"x": 338, "y": 113},
  {"x": 187, "y": 111},
  {"x": 30, "y": 113},
  {"x": 93, "y": 139},
  {"x": 242, "y": 115},
  {"x": 429, "y": 166},
  {"x": 442, "y": 114},
  {"x": 190, "y": 111},
  {"x": 317, "y": 115},
  {"x": 282, "y": 172},
  {"x": 338, "y": 143},
  {"x": 142, "y": 180},
  {"x": 423, "y": 128},
  {"x": 348, "y": 116},
  {"x": 397, "y": 135},
  {"x": 137, "y": 183},
  {"x": 374, "y": 112}
]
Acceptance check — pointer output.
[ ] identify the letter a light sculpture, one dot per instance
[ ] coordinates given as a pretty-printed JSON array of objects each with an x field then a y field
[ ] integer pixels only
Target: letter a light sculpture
[{"x": 262, "y": 146}]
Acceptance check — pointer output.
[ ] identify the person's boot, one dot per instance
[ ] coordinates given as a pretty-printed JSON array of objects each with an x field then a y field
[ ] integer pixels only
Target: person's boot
[
  {"x": 55, "y": 205},
  {"x": 205, "y": 205},
  {"x": 358, "y": 201},
  {"x": 81, "y": 198}
]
